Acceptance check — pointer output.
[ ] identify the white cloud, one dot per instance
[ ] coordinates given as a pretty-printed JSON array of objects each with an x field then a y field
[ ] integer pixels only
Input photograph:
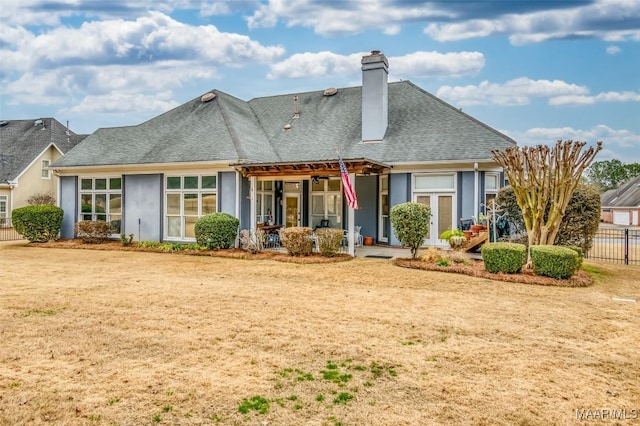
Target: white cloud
[
  {"x": 150, "y": 38},
  {"x": 332, "y": 18},
  {"x": 622, "y": 144},
  {"x": 613, "y": 50},
  {"x": 601, "y": 97},
  {"x": 519, "y": 91},
  {"x": 600, "y": 19},
  {"x": 417, "y": 64}
]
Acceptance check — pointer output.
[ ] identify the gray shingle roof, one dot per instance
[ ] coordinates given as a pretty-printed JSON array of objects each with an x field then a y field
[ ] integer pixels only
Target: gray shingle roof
[
  {"x": 21, "y": 142},
  {"x": 422, "y": 128},
  {"x": 626, "y": 195}
]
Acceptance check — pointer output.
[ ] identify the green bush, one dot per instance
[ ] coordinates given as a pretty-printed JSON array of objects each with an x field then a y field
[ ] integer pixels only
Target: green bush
[
  {"x": 38, "y": 223},
  {"x": 329, "y": 241},
  {"x": 93, "y": 231},
  {"x": 217, "y": 231},
  {"x": 554, "y": 261},
  {"x": 578, "y": 250},
  {"x": 411, "y": 224},
  {"x": 579, "y": 223},
  {"x": 297, "y": 240},
  {"x": 504, "y": 257}
]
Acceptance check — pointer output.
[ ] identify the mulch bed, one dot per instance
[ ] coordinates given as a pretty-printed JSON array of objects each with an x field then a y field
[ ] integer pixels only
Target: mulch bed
[
  {"x": 476, "y": 269},
  {"x": 232, "y": 253}
]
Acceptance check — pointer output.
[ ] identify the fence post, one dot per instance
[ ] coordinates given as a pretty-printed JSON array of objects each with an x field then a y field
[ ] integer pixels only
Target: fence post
[{"x": 626, "y": 246}]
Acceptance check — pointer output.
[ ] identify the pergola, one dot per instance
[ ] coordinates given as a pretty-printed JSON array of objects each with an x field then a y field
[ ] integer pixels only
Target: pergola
[{"x": 320, "y": 168}]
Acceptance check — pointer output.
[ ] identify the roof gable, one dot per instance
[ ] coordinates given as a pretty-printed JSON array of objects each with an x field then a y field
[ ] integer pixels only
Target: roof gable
[{"x": 23, "y": 141}]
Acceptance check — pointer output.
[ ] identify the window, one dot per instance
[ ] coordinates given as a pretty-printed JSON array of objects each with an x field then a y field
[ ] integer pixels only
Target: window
[
  {"x": 45, "y": 173},
  {"x": 264, "y": 201},
  {"x": 435, "y": 182},
  {"x": 383, "y": 232},
  {"x": 101, "y": 199},
  {"x": 3, "y": 211},
  {"x": 491, "y": 187},
  {"x": 326, "y": 202},
  {"x": 187, "y": 199}
]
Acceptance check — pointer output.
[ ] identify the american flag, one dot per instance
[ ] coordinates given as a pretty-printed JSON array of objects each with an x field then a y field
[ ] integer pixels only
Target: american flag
[{"x": 349, "y": 193}]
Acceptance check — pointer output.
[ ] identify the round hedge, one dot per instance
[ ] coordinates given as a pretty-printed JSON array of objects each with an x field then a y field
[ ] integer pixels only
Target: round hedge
[
  {"x": 39, "y": 223},
  {"x": 554, "y": 261},
  {"x": 217, "y": 231},
  {"x": 504, "y": 257}
]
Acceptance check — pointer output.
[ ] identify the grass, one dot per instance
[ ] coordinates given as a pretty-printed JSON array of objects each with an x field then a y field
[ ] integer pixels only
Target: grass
[{"x": 149, "y": 338}]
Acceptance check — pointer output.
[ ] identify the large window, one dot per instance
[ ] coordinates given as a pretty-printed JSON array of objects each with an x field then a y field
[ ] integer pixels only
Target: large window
[
  {"x": 46, "y": 174},
  {"x": 101, "y": 199},
  {"x": 3, "y": 211},
  {"x": 326, "y": 202},
  {"x": 187, "y": 199},
  {"x": 264, "y": 202}
]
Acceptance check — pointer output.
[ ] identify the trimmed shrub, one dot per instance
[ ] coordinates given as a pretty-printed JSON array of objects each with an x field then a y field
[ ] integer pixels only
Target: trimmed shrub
[
  {"x": 578, "y": 250},
  {"x": 329, "y": 241},
  {"x": 504, "y": 257},
  {"x": 554, "y": 261},
  {"x": 217, "y": 231},
  {"x": 93, "y": 231},
  {"x": 297, "y": 240},
  {"x": 38, "y": 223},
  {"x": 578, "y": 226},
  {"x": 411, "y": 224}
]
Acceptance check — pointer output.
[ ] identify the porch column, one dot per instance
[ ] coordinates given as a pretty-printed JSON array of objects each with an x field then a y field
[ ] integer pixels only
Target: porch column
[
  {"x": 476, "y": 195},
  {"x": 351, "y": 220},
  {"x": 252, "y": 195}
]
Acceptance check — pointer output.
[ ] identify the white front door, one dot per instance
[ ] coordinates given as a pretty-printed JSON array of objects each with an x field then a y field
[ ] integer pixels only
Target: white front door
[{"x": 442, "y": 216}]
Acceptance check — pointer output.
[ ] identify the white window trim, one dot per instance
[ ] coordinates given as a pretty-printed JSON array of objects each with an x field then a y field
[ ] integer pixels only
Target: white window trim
[
  {"x": 381, "y": 193},
  {"x": 182, "y": 191},
  {"x": 44, "y": 169},
  {"x": 263, "y": 216},
  {"x": 108, "y": 191},
  {"x": 324, "y": 194}
]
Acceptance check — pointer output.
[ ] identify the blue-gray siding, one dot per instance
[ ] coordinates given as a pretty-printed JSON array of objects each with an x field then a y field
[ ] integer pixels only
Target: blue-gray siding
[
  {"x": 227, "y": 192},
  {"x": 69, "y": 204},
  {"x": 142, "y": 207},
  {"x": 367, "y": 215},
  {"x": 399, "y": 192}
]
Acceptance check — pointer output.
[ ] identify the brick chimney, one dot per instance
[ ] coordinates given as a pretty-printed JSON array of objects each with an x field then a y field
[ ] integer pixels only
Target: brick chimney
[{"x": 375, "y": 116}]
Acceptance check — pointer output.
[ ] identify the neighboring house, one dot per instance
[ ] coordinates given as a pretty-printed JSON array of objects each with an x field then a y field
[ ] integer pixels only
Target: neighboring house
[
  {"x": 275, "y": 159},
  {"x": 621, "y": 206},
  {"x": 27, "y": 148}
]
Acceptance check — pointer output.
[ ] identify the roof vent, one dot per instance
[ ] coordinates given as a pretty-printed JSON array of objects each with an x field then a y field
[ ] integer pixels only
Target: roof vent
[
  {"x": 287, "y": 127},
  {"x": 330, "y": 91},
  {"x": 3, "y": 123},
  {"x": 38, "y": 123},
  {"x": 208, "y": 97}
]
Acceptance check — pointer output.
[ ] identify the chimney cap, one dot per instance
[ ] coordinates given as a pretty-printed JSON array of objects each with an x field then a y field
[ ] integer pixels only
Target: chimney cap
[{"x": 375, "y": 52}]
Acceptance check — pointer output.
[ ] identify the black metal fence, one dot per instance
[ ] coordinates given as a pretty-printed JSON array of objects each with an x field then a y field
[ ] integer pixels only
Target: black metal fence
[
  {"x": 7, "y": 232},
  {"x": 616, "y": 245}
]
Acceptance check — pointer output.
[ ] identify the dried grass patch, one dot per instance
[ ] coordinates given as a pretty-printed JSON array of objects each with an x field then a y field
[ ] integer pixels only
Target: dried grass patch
[
  {"x": 476, "y": 269},
  {"x": 110, "y": 337},
  {"x": 232, "y": 253}
]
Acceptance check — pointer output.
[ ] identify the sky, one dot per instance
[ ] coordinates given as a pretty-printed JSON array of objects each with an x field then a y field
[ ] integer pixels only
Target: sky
[{"x": 538, "y": 71}]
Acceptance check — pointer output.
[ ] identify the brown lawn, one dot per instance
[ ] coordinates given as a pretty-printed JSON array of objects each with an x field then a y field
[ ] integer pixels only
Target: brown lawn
[{"x": 130, "y": 338}]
